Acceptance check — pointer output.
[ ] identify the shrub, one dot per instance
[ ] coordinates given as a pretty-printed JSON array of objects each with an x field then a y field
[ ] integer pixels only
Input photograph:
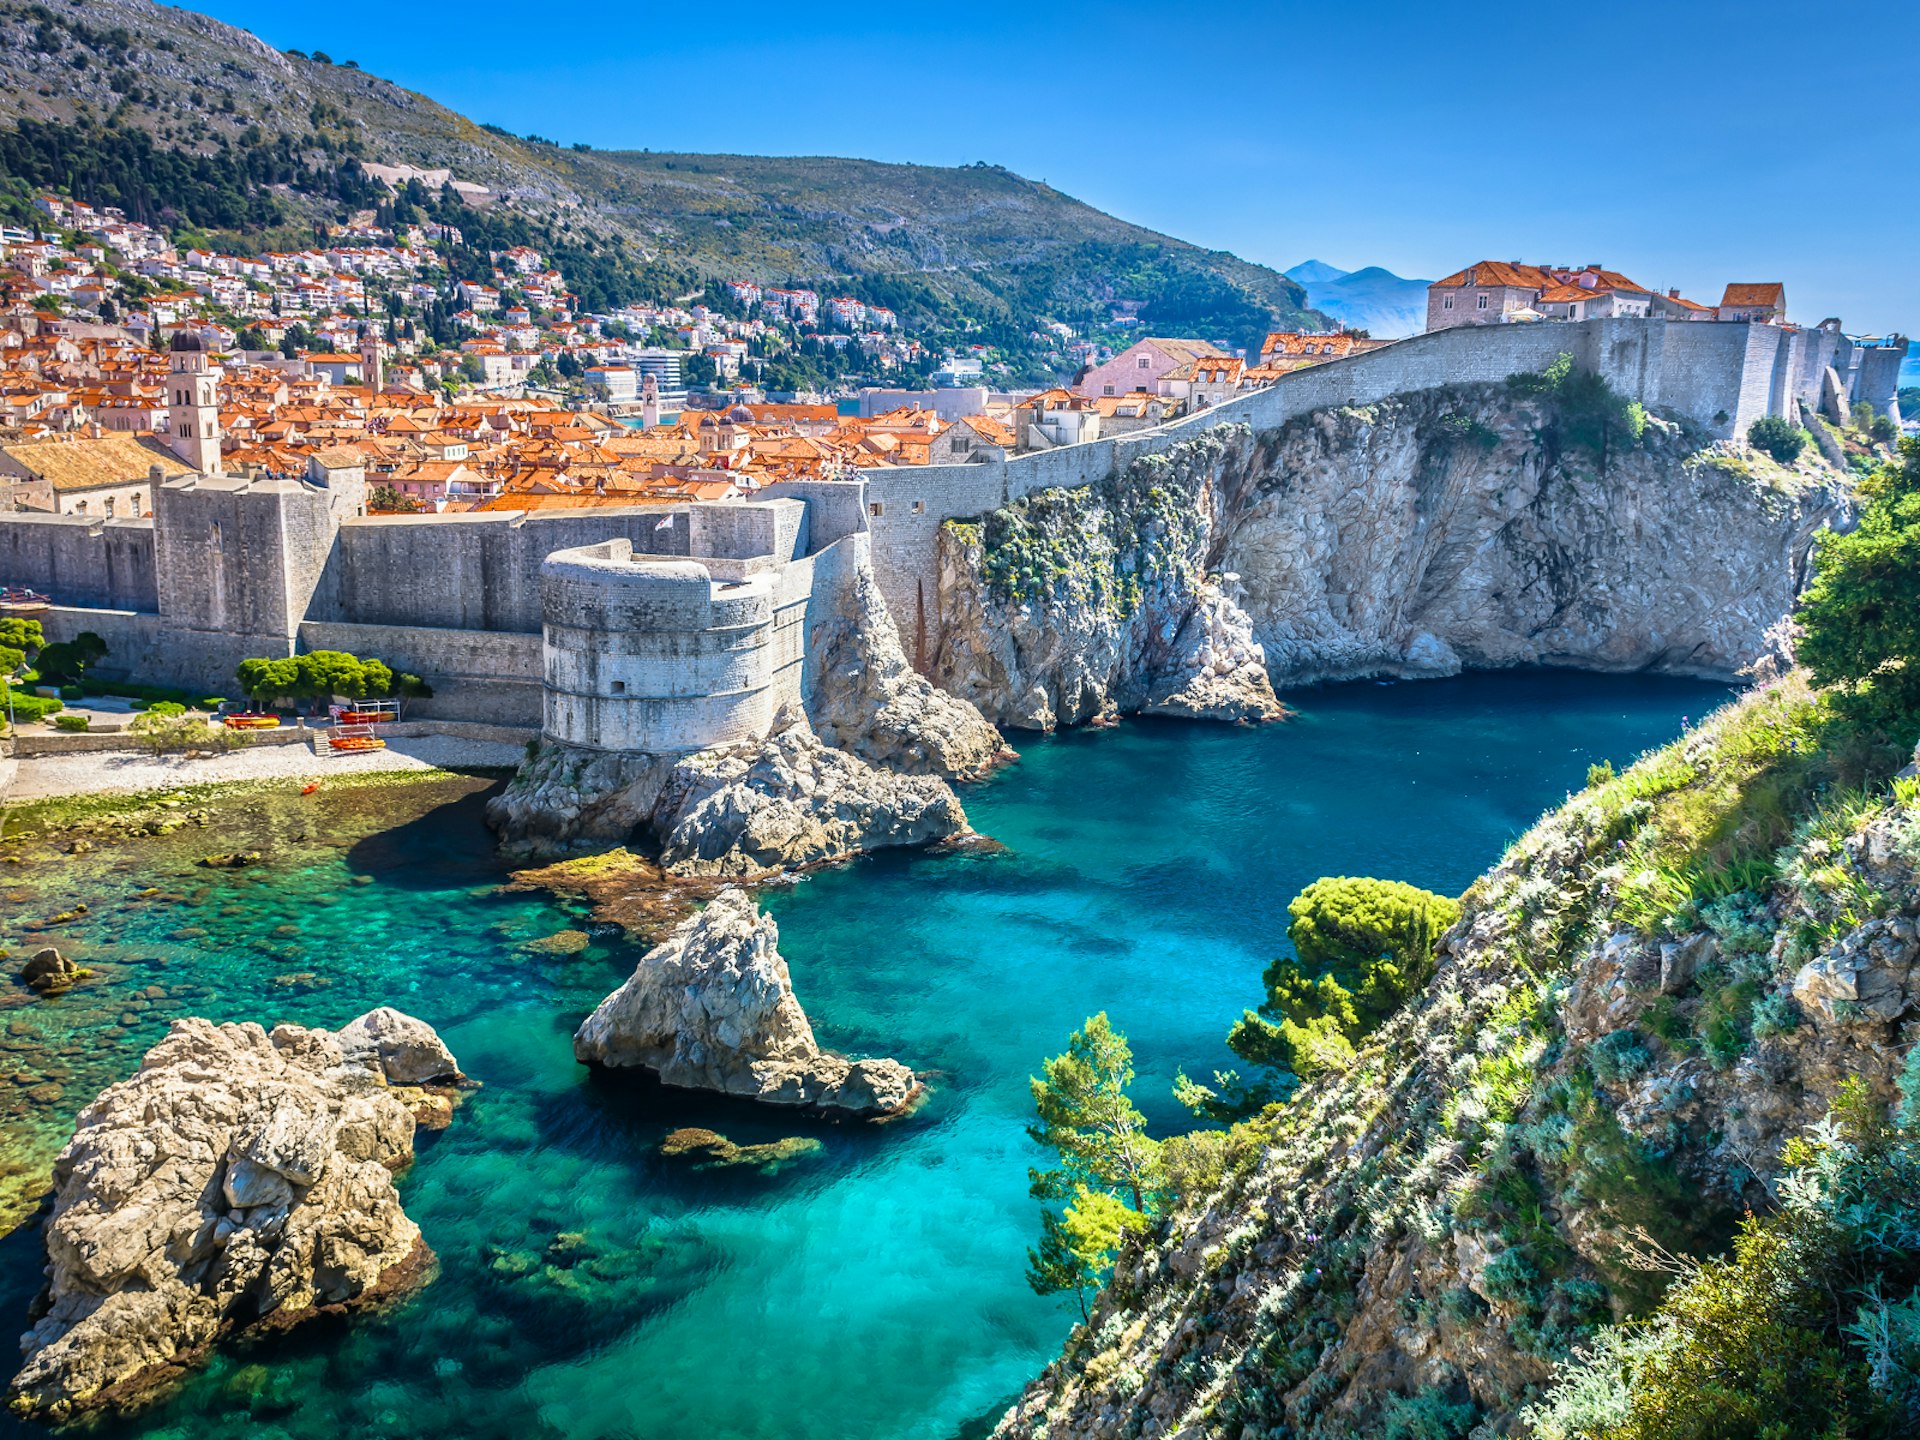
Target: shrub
[
  {"x": 1810, "y": 1328},
  {"x": 1598, "y": 775},
  {"x": 71, "y": 692},
  {"x": 1861, "y": 614},
  {"x": 73, "y": 724},
  {"x": 1778, "y": 437},
  {"x": 29, "y": 708},
  {"x": 1362, "y": 947}
]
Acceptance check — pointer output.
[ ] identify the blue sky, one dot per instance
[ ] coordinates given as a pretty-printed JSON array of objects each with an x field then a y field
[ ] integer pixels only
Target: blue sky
[{"x": 1683, "y": 143}]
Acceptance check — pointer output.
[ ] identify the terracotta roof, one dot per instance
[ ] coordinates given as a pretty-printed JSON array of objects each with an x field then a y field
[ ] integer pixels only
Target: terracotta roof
[
  {"x": 1495, "y": 274},
  {"x": 94, "y": 464},
  {"x": 1772, "y": 294}
]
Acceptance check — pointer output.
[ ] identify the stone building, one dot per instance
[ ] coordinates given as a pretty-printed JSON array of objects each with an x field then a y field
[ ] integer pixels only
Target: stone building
[{"x": 105, "y": 477}]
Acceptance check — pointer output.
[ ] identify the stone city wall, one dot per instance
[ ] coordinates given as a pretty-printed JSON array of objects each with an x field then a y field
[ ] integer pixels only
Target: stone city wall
[
  {"x": 80, "y": 561},
  {"x": 476, "y": 674},
  {"x": 1721, "y": 376}
]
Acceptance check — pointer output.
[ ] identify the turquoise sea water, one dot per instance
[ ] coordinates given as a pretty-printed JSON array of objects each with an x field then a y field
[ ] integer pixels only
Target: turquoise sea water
[{"x": 590, "y": 1286}]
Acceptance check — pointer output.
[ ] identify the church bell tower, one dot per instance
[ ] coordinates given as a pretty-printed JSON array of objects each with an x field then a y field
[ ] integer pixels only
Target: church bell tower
[{"x": 193, "y": 410}]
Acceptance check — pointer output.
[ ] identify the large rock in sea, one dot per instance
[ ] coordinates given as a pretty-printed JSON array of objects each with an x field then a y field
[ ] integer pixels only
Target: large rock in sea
[
  {"x": 239, "y": 1179},
  {"x": 713, "y": 1009},
  {"x": 735, "y": 810}
]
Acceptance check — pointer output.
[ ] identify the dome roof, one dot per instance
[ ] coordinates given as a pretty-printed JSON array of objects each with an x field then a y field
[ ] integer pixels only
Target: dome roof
[
  {"x": 740, "y": 415},
  {"x": 185, "y": 340}
]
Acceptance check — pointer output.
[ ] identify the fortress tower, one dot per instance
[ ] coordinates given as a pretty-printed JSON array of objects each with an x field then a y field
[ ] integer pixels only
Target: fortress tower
[{"x": 193, "y": 411}]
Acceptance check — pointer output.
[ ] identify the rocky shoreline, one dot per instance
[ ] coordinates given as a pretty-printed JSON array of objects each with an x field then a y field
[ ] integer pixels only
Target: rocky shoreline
[{"x": 239, "y": 1180}]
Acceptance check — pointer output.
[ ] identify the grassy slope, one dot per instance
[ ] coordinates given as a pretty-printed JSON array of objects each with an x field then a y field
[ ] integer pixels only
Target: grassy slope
[{"x": 977, "y": 234}]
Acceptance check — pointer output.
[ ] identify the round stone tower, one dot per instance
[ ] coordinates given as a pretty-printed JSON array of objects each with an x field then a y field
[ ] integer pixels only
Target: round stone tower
[{"x": 653, "y": 655}]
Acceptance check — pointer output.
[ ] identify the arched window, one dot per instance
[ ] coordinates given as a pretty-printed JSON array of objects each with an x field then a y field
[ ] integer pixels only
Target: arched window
[
  {"x": 79, "y": 507},
  {"x": 109, "y": 506}
]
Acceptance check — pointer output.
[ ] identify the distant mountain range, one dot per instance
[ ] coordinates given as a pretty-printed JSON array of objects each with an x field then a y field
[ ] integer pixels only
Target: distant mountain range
[{"x": 1386, "y": 305}]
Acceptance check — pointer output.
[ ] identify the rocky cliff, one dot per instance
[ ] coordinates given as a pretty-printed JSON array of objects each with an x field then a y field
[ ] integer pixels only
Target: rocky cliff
[
  {"x": 237, "y": 1180},
  {"x": 1467, "y": 527},
  {"x": 1660, "y": 985}
]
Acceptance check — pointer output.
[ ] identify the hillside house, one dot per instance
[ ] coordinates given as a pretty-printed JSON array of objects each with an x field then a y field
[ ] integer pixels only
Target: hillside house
[
  {"x": 1758, "y": 304},
  {"x": 1142, "y": 366},
  {"x": 1495, "y": 292}
]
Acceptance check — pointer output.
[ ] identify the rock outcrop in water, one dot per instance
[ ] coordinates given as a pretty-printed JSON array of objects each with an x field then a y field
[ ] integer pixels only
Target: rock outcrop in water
[
  {"x": 713, "y": 1009},
  {"x": 1469, "y": 527},
  {"x": 237, "y": 1180},
  {"x": 737, "y": 810},
  {"x": 1602, "y": 1074}
]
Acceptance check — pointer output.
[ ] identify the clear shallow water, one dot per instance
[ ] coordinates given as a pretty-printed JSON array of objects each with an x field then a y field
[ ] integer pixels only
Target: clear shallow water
[{"x": 591, "y": 1287}]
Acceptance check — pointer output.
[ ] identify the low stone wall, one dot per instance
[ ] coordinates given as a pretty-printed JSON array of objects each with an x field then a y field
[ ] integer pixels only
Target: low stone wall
[
  {"x": 29, "y": 745},
  {"x": 32, "y": 745}
]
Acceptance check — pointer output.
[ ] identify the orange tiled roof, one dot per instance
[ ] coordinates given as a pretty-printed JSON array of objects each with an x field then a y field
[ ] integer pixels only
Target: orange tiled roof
[{"x": 1770, "y": 294}]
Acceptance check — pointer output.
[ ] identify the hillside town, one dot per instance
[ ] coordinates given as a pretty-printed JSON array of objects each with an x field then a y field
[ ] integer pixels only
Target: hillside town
[
  {"x": 524, "y": 403},
  {"x": 127, "y": 359}
]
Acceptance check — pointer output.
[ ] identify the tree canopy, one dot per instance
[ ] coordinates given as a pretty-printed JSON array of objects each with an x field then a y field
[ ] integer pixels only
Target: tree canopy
[
  {"x": 1108, "y": 1165},
  {"x": 316, "y": 675},
  {"x": 1361, "y": 948},
  {"x": 1861, "y": 614}
]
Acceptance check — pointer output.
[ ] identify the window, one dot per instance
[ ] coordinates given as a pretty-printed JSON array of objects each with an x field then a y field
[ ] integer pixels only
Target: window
[
  {"x": 109, "y": 507},
  {"x": 1446, "y": 302},
  {"x": 1146, "y": 362},
  {"x": 619, "y": 687},
  {"x": 1482, "y": 303},
  {"x": 876, "y": 509},
  {"x": 1106, "y": 389}
]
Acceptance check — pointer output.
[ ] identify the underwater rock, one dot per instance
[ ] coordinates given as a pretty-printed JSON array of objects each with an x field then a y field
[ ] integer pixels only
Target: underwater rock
[
  {"x": 711, "y": 1150},
  {"x": 237, "y": 1180},
  {"x": 50, "y": 972},
  {"x": 234, "y": 860},
  {"x": 713, "y": 1009},
  {"x": 561, "y": 942}
]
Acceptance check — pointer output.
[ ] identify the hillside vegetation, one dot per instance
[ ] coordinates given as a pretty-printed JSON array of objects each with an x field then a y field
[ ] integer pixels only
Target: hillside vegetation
[{"x": 977, "y": 246}]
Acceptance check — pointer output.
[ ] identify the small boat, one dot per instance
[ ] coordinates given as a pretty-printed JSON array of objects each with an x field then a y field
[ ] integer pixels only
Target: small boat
[
  {"x": 366, "y": 717},
  {"x": 250, "y": 720},
  {"x": 351, "y": 744},
  {"x": 17, "y": 601}
]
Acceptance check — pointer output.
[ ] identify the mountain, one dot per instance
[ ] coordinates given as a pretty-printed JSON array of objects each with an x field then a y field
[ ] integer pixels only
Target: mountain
[
  {"x": 1315, "y": 272},
  {"x": 1378, "y": 301},
  {"x": 167, "y": 111}
]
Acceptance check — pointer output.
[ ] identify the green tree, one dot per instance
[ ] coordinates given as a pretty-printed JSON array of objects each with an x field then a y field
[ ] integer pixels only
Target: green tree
[
  {"x": 1362, "y": 947},
  {"x": 18, "y": 638},
  {"x": 68, "y": 661},
  {"x": 1078, "y": 1246},
  {"x": 1780, "y": 438},
  {"x": 1861, "y": 614},
  {"x": 1108, "y": 1164}
]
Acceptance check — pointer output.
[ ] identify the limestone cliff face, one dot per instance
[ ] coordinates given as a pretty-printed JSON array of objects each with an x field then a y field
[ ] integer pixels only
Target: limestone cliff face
[
  {"x": 1460, "y": 528},
  {"x": 1075, "y": 605},
  {"x": 1434, "y": 1230}
]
